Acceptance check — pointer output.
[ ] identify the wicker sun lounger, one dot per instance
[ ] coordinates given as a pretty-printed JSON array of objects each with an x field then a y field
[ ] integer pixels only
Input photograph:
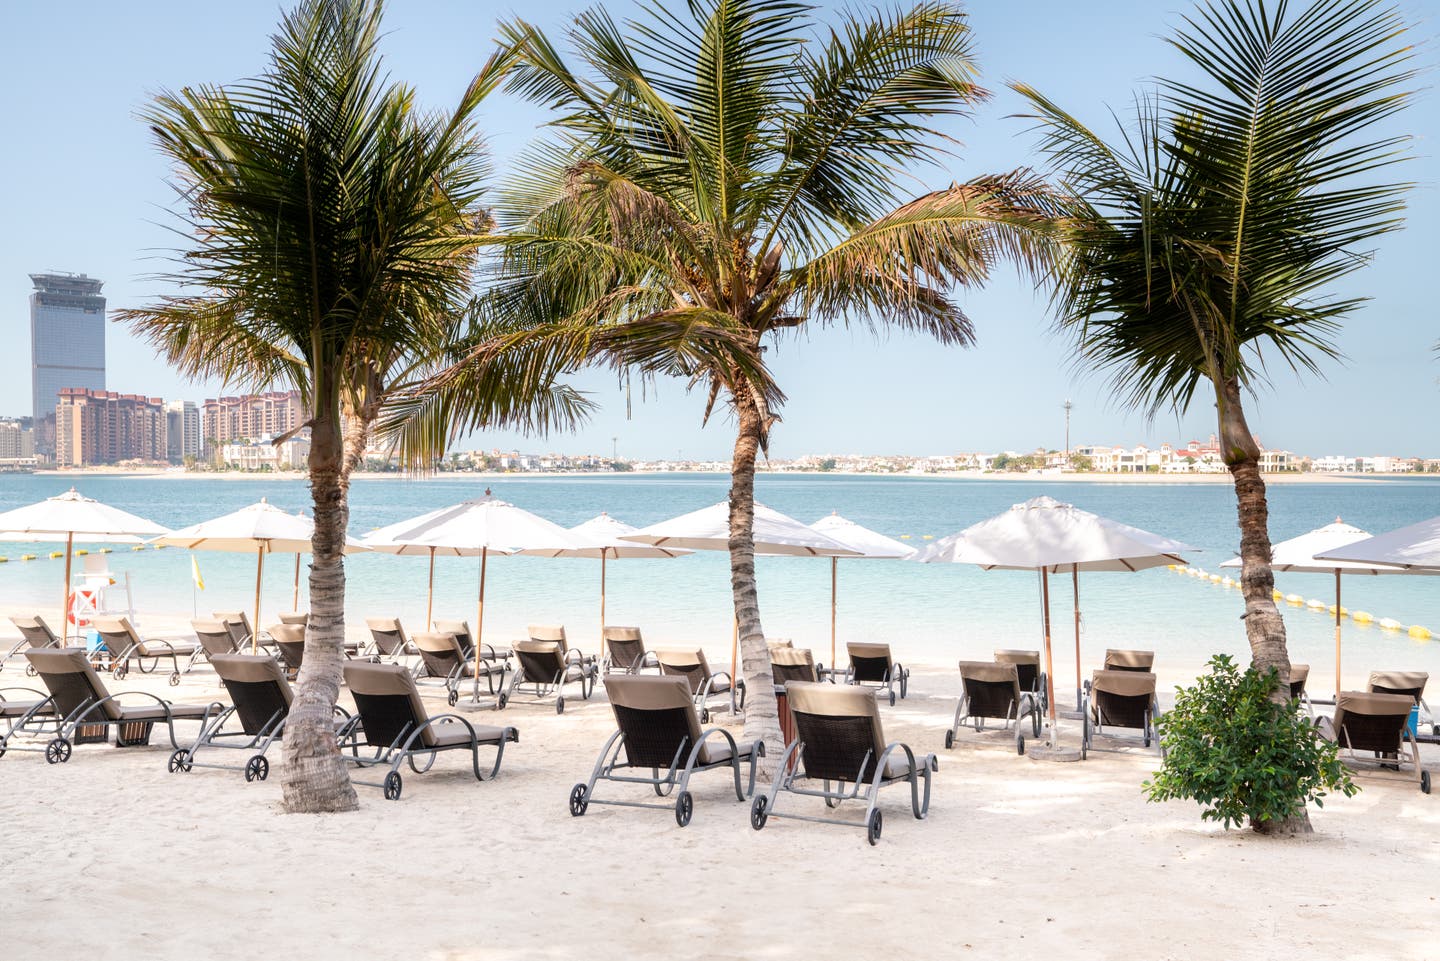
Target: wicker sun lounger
[
  {"x": 238, "y": 623},
  {"x": 301, "y": 618},
  {"x": 1119, "y": 698},
  {"x": 388, "y": 640},
  {"x": 545, "y": 668},
  {"x": 872, "y": 666},
  {"x": 993, "y": 691},
  {"x": 625, "y": 652},
  {"x": 705, "y": 684},
  {"x": 1377, "y": 725},
  {"x": 1299, "y": 675},
  {"x": 394, "y": 722},
  {"x": 260, "y": 703},
  {"x": 1411, "y": 684},
  {"x": 658, "y": 732},
  {"x": 34, "y": 632},
  {"x": 214, "y": 638},
  {"x": 844, "y": 756},
  {"x": 125, "y": 644},
  {"x": 442, "y": 655},
  {"x": 1032, "y": 678},
  {"x": 1142, "y": 662},
  {"x": 88, "y": 712},
  {"x": 793, "y": 664}
]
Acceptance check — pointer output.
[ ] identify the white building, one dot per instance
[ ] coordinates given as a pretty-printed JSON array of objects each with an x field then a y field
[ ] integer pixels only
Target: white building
[{"x": 293, "y": 454}]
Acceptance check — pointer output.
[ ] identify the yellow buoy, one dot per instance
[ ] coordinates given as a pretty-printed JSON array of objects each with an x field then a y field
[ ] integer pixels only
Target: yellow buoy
[
  {"x": 1416, "y": 631},
  {"x": 27, "y": 557},
  {"x": 104, "y": 550},
  {"x": 55, "y": 554},
  {"x": 1390, "y": 624},
  {"x": 1362, "y": 617},
  {"x": 1344, "y": 611},
  {"x": 81, "y": 552},
  {"x": 4, "y": 560},
  {"x": 1277, "y": 595},
  {"x": 929, "y": 537},
  {"x": 1315, "y": 605},
  {"x": 138, "y": 547},
  {"x": 1215, "y": 578},
  {"x": 1228, "y": 582},
  {"x": 1294, "y": 599}
]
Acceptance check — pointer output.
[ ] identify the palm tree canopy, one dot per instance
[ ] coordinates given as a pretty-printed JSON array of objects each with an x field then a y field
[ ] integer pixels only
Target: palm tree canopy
[
  {"x": 729, "y": 169},
  {"x": 1209, "y": 234}
]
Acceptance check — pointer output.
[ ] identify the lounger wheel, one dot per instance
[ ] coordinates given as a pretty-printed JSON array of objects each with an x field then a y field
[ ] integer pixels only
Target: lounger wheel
[
  {"x": 758, "y": 814},
  {"x": 1020, "y": 744},
  {"x": 29, "y": 670},
  {"x": 180, "y": 762},
  {"x": 872, "y": 827},
  {"x": 393, "y": 785},
  {"x": 559, "y": 705},
  {"x": 257, "y": 768},
  {"x": 57, "y": 751},
  {"x": 1424, "y": 782},
  {"x": 580, "y": 800},
  {"x": 119, "y": 673},
  {"x": 175, "y": 679},
  {"x": 949, "y": 739},
  {"x": 892, "y": 698},
  {"x": 500, "y": 704},
  {"x": 684, "y": 807},
  {"x": 452, "y": 698},
  {"x": 704, "y": 715}
]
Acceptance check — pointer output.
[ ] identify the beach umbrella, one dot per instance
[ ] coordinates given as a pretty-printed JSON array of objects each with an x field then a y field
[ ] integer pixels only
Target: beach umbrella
[
  {"x": 600, "y": 537},
  {"x": 68, "y": 517},
  {"x": 382, "y": 541},
  {"x": 708, "y": 529},
  {"x": 1048, "y": 536},
  {"x": 482, "y": 527},
  {"x": 1301, "y": 555},
  {"x": 1416, "y": 548},
  {"x": 261, "y": 529},
  {"x": 867, "y": 543}
]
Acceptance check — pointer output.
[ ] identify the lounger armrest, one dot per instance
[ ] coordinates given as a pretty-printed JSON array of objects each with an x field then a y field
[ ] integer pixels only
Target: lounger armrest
[
  {"x": 705, "y": 736},
  {"x": 24, "y": 690},
  {"x": 646, "y": 659}
]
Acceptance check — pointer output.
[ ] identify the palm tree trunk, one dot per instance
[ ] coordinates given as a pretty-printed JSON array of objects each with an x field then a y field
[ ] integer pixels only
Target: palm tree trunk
[
  {"x": 315, "y": 778},
  {"x": 1264, "y": 627},
  {"x": 762, "y": 716}
]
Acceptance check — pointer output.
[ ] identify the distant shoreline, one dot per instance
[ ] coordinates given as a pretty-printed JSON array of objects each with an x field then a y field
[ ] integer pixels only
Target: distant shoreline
[{"x": 1032, "y": 477}]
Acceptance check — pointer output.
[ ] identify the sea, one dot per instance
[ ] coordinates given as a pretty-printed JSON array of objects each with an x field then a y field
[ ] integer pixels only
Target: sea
[{"x": 929, "y": 613}]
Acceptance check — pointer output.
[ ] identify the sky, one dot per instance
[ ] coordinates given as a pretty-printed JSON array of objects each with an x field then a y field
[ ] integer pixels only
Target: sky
[{"x": 86, "y": 192}]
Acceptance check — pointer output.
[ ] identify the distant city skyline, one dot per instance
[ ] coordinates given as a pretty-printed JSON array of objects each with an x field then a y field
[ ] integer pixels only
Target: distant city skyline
[{"x": 107, "y": 215}]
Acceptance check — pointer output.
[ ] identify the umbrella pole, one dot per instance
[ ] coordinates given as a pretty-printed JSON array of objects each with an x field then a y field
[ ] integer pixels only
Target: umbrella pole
[
  {"x": 834, "y": 567},
  {"x": 604, "y": 552},
  {"x": 65, "y": 601},
  {"x": 1049, "y": 661},
  {"x": 480, "y": 620},
  {"x": 295, "y": 595},
  {"x": 1075, "y": 584},
  {"x": 430, "y": 591},
  {"x": 1337, "y": 635},
  {"x": 255, "y": 625}
]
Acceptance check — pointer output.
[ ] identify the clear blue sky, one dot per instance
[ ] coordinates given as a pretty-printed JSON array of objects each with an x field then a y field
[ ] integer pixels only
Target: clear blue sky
[{"x": 85, "y": 192}]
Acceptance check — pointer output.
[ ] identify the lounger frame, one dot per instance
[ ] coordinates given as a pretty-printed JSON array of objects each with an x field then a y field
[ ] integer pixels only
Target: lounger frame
[
  {"x": 992, "y": 691},
  {"x": 545, "y": 673},
  {"x": 880, "y": 672}
]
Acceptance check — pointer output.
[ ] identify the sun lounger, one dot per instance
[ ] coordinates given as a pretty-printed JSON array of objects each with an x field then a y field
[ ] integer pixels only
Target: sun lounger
[
  {"x": 1377, "y": 725},
  {"x": 260, "y": 703},
  {"x": 88, "y": 712},
  {"x": 625, "y": 652},
  {"x": 34, "y": 632},
  {"x": 394, "y": 722},
  {"x": 1299, "y": 675},
  {"x": 443, "y": 656},
  {"x": 125, "y": 644},
  {"x": 793, "y": 664},
  {"x": 301, "y": 618},
  {"x": 27, "y": 713},
  {"x": 872, "y": 666},
  {"x": 388, "y": 640},
  {"x": 494, "y": 661},
  {"x": 238, "y": 623},
  {"x": 1032, "y": 678},
  {"x": 705, "y": 684},
  {"x": 844, "y": 756},
  {"x": 657, "y": 730},
  {"x": 993, "y": 692},
  {"x": 214, "y": 638},
  {"x": 1142, "y": 662},
  {"x": 546, "y": 667},
  {"x": 1411, "y": 684},
  {"x": 1119, "y": 698}
]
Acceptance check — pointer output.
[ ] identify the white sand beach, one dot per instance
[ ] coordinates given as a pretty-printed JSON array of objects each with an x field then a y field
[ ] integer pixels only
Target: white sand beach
[{"x": 110, "y": 857}]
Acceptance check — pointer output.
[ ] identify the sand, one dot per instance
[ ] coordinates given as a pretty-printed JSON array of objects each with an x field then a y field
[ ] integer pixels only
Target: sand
[{"x": 110, "y": 857}]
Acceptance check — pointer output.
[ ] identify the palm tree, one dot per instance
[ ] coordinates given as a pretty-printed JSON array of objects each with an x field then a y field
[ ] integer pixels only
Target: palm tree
[
  {"x": 331, "y": 233},
  {"x": 732, "y": 171},
  {"x": 1205, "y": 241}
]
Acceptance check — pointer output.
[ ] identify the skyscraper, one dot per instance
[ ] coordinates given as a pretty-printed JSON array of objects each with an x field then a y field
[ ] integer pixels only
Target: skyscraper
[
  {"x": 67, "y": 344},
  {"x": 183, "y": 430}
]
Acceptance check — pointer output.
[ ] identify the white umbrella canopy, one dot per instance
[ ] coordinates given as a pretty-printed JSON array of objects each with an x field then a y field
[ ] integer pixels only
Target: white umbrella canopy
[
  {"x": 382, "y": 541},
  {"x": 1049, "y": 536},
  {"x": 69, "y": 516},
  {"x": 1414, "y": 547},
  {"x": 480, "y": 527},
  {"x": 261, "y": 528},
  {"x": 1302, "y": 555},
  {"x": 870, "y": 544},
  {"x": 600, "y": 537}
]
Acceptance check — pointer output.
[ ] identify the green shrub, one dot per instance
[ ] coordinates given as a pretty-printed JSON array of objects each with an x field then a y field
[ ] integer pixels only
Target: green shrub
[{"x": 1241, "y": 755}]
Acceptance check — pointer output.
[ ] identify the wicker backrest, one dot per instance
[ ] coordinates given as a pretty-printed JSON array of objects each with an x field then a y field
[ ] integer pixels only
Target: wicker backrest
[
  {"x": 992, "y": 689},
  {"x": 869, "y": 661},
  {"x": 1299, "y": 674},
  {"x": 625, "y": 645},
  {"x": 388, "y": 635},
  {"x": 387, "y": 701},
  {"x": 686, "y": 662},
  {"x": 440, "y": 651},
  {"x": 118, "y": 635},
  {"x": 1372, "y": 722},
  {"x": 238, "y": 622},
  {"x": 214, "y": 637},
  {"x": 1121, "y": 698},
  {"x": 1027, "y": 666},
  {"x": 290, "y": 640},
  {"x": 257, "y": 688},
  {"x": 1122, "y": 660},
  {"x": 1410, "y": 683},
  {"x": 540, "y": 661},
  {"x": 792, "y": 664},
  {"x": 838, "y": 727},
  {"x": 461, "y": 630},
  {"x": 70, "y": 679},
  {"x": 547, "y": 632},
  {"x": 36, "y": 631},
  {"x": 655, "y": 715}
]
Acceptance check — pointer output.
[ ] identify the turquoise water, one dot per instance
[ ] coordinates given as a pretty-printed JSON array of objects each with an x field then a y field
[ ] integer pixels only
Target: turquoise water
[{"x": 929, "y": 613}]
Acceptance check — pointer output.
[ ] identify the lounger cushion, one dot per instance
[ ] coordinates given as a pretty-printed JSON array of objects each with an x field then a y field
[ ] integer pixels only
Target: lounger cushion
[
  {"x": 1133, "y": 660},
  {"x": 156, "y": 712},
  {"x": 457, "y": 735},
  {"x": 20, "y": 708}
]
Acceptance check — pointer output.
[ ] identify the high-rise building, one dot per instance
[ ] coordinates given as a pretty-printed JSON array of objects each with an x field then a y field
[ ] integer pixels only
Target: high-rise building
[
  {"x": 251, "y": 417},
  {"x": 182, "y": 431},
  {"x": 17, "y": 442},
  {"x": 103, "y": 427},
  {"x": 67, "y": 344}
]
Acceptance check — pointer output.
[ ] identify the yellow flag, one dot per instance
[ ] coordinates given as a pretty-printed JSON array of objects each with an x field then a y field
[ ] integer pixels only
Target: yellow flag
[{"x": 195, "y": 573}]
